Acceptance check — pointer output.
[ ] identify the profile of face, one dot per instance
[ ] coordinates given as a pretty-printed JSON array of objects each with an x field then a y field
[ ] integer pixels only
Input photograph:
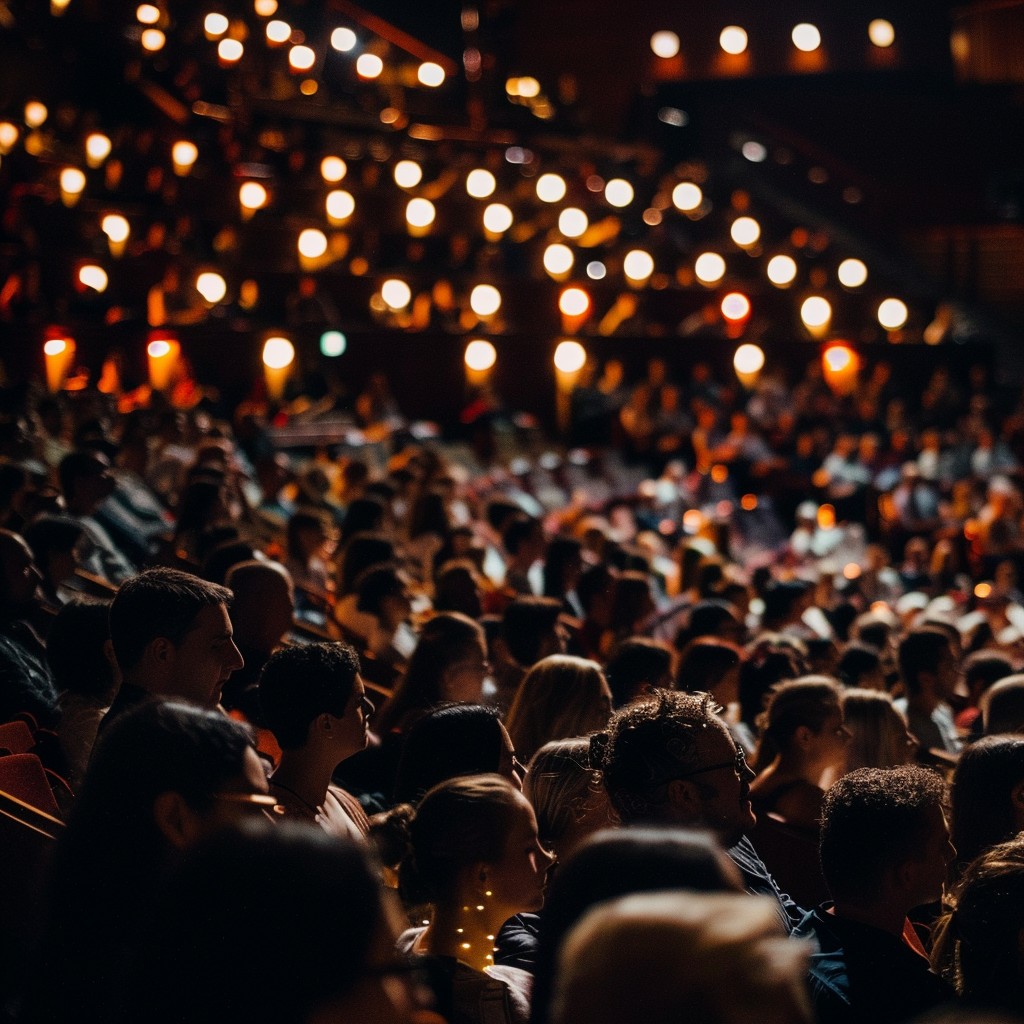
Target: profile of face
[
  {"x": 200, "y": 667},
  {"x": 827, "y": 747},
  {"x": 517, "y": 881},
  {"x": 926, "y": 877},
  {"x": 508, "y": 764},
  {"x": 21, "y": 577},
  {"x": 351, "y": 732},
  {"x": 463, "y": 679}
]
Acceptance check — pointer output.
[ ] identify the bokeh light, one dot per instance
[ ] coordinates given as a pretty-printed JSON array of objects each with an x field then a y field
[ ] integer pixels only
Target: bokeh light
[
  {"x": 215, "y": 25},
  {"x": 558, "y": 259},
  {"x": 115, "y": 227},
  {"x": 480, "y": 355},
  {"x": 153, "y": 39},
  {"x": 396, "y": 293},
  {"x": 815, "y": 311},
  {"x": 333, "y": 168},
  {"x": 430, "y": 74},
  {"x": 497, "y": 218},
  {"x": 408, "y": 173},
  {"x": 485, "y": 300},
  {"x": 278, "y": 31},
  {"x": 852, "y": 273},
  {"x": 480, "y": 183},
  {"x": 97, "y": 148},
  {"x": 278, "y": 353},
  {"x": 806, "y": 37},
  {"x": 570, "y": 356},
  {"x": 230, "y": 50},
  {"x": 211, "y": 286},
  {"x": 892, "y": 314},
  {"x": 881, "y": 33},
  {"x": 574, "y": 302},
  {"x": 709, "y": 267},
  {"x": 343, "y": 39},
  {"x": 733, "y": 39},
  {"x": 665, "y": 44},
  {"x": 420, "y": 213},
  {"x": 333, "y": 344},
  {"x": 745, "y": 231},
  {"x": 638, "y": 265},
  {"x": 550, "y": 188},
  {"x": 340, "y": 204},
  {"x": 686, "y": 196},
  {"x": 301, "y": 58},
  {"x": 618, "y": 192},
  {"x": 312, "y": 243},
  {"x": 781, "y": 270},
  {"x": 748, "y": 359},
  {"x": 572, "y": 222},
  {"x": 93, "y": 277},
  {"x": 735, "y": 306},
  {"x": 252, "y": 195},
  {"x": 369, "y": 65}
]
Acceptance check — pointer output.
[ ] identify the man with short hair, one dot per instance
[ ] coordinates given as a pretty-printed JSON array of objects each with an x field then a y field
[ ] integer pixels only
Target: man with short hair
[
  {"x": 172, "y": 637},
  {"x": 929, "y": 669},
  {"x": 530, "y": 631},
  {"x": 315, "y": 704},
  {"x": 885, "y": 850},
  {"x": 523, "y": 540},
  {"x": 1002, "y": 706},
  {"x": 669, "y": 759}
]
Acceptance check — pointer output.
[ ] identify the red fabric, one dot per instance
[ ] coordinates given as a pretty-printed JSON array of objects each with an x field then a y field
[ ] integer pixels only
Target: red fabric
[
  {"x": 23, "y": 776},
  {"x": 16, "y": 737}
]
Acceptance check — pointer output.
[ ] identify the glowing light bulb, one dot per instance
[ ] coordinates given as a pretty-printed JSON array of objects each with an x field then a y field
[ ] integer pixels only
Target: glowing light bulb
[
  {"x": 781, "y": 270},
  {"x": 8, "y": 137},
  {"x": 480, "y": 183},
  {"x": 115, "y": 227},
  {"x": 733, "y": 39},
  {"x": 892, "y": 314},
  {"x": 93, "y": 277},
  {"x": 158, "y": 349},
  {"x": 152, "y": 39},
  {"x": 881, "y": 33},
  {"x": 550, "y": 188},
  {"x": 301, "y": 58},
  {"x": 265, "y": 8},
  {"x": 252, "y": 195},
  {"x": 333, "y": 343},
  {"x": 278, "y": 32},
  {"x": 215, "y": 25},
  {"x": 343, "y": 39},
  {"x": 430, "y": 74},
  {"x": 665, "y": 44},
  {"x": 35, "y": 114},
  {"x": 815, "y": 311},
  {"x": 408, "y": 173},
  {"x": 147, "y": 14},
  {"x": 480, "y": 355},
  {"x": 72, "y": 181},
  {"x": 55, "y": 347},
  {"x": 745, "y": 231},
  {"x": 333, "y": 168},
  {"x": 183, "y": 155},
  {"x": 574, "y": 302},
  {"x": 748, "y": 359},
  {"x": 211, "y": 286},
  {"x": 638, "y": 265},
  {"x": 570, "y": 356},
  {"x": 735, "y": 306},
  {"x": 806, "y": 37},
  {"x": 572, "y": 222},
  {"x": 369, "y": 65},
  {"x": 340, "y": 204},
  {"x": 312, "y": 243},
  {"x": 485, "y": 300},
  {"x": 278, "y": 353},
  {"x": 618, "y": 192},
  {"x": 97, "y": 149},
  {"x": 709, "y": 267},
  {"x": 230, "y": 50},
  {"x": 558, "y": 259},
  {"x": 396, "y": 293},
  {"x": 420, "y": 213},
  {"x": 852, "y": 273},
  {"x": 497, "y": 218},
  {"x": 686, "y": 196},
  {"x": 527, "y": 87},
  {"x": 837, "y": 358}
]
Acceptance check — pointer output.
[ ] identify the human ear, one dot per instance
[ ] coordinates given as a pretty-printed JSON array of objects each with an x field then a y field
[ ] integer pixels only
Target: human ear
[
  {"x": 161, "y": 649},
  {"x": 175, "y": 819},
  {"x": 682, "y": 797},
  {"x": 803, "y": 736}
]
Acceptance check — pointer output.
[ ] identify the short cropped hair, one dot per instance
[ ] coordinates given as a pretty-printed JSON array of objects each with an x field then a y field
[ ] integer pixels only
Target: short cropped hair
[
  {"x": 636, "y": 661},
  {"x": 299, "y": 683},
  {"x": 375, "y": 585},
  {"x": 524, "y": 624},
  {"x": 518, "y": 532},
  {"x": 157, "y": 603},
  {"x": 872, "y": 820},
  {"x": 921, "y": 650}
]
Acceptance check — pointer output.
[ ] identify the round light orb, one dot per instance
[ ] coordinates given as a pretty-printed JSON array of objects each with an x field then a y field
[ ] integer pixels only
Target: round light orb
[
  {"x": 147, "y": 14},
  {"x": 343, "y": 39},
  {"x": 550, "y": 188},
  {"x": 35, "y": 114},
  {"x": 93, "y": 277},
  {"x": 340, "y": 204},
  {"x": 638, "y": 265},
  {"x": 396, "y": 293},
  {"x": 735, "y": 306},
  {"x": 301, "y": 58},
  {"x": 265, "y": 8},
  {"x": 816, "y": 311},
  {"x": 754, "y": 152},
  {"x": 72, "y": 181},
  {"x": 892, "y": 314},
  {"x": 497, "y": 218},
  {"x": 709, "y": 267},
  {"x": 806, "y": 37},
  {"x": 408, "y": 173},
  {"x": 184, "y": 154},
  {"x": 570, "y": 356},
  {"x": 596, "y": 270},
  {"x": 686, "y": 196},
  {"x": 55, "y": 346},
  {"x": 665, "y": 44},
  {"x": 618, "y": 192},
  {"x": 97, "y": 148},
  {"x": 485, "y": 300},
  {"x": 158, "y": 349},
  {"x": 333, "y": 168},
  {"x": 152, "y": 39},
  {"x": 333, "y": 343},
  {"x": 430, "y": 74},
  {"x": 852, "y": 273},
  {"x": 480, "y": 183},
  {"x": 733, "y": 39},
  {"x": 881, "y": 33},
  {"x": 558, "y": 259},
  {"x": 574, "y": 302},
  {"x": 369, "y": 65},
  {"x": 8, "y": 137},
  {"x": 278, "y": 353},
  {"x": 748, "y": 359},
  {"x": 781, "y": 270},
  {"x": 215, "y": 25},
  {"x": 480, "y": 355},
  {"x": 572, "y": 222},
  {"x": 420, "y": 213},
  {"x": 278, "y": 31},
  {"x": 211, "y": 286},
  {"x": 230, "y": 50},
  {"x": 745, "y": 231},
  {"x": 528, "y": 87},
  {"x": 837, "y": 358},
  {"x": 252, "y": 195},
  {"x": 312, "y": 243},
  {"x": 115, "y": 227}
]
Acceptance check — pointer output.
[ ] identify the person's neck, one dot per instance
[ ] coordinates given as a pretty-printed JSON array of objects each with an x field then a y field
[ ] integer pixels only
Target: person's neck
[
  {"x": 305, "y": 774},
  {"x": 792, "y": 768},
  {"x": 465, "y": 930},
  {"x": 886, "y": 915}
]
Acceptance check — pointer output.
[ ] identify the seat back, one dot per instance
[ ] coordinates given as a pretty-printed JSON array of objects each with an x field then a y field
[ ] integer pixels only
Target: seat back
[
  {"x": 23, "y": 777},
  {"x": 791, "y": 855},
  {"x": 16, "y": 737}
]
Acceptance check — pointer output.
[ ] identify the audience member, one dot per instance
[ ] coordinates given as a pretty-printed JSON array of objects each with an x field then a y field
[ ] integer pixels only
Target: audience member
[
  {"x": 860, "y": 665},
  {"x": 638, "y": 666},
  {"x": 1002, "y": 706},
  {"x": 929, "y": 670},
  {"x": 879, "y": 735},
  {"x": 530, "y": 632}
]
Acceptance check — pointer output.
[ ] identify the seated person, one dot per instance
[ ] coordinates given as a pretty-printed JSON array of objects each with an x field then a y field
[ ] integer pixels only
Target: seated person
[
  {"x": 382, "y": 594},
  {"x": 884, "y": 851},
  {"x": 55, "y": 542},
  {"x": 315, "y": 704},
  {"x": 638, "y": 666},
  {"x": 530, "y": 631},
  {"x": 981, "y": 670},
  {"x": 929, "y": 670},
  {"x": 1002, "y": 706}
]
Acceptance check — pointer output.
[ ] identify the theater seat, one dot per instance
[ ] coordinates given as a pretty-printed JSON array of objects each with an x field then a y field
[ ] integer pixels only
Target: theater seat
[
  {"x": 23, "y": 776},
  {"x": 791, "y": 854},
  {"x": 16, "y": 737}
]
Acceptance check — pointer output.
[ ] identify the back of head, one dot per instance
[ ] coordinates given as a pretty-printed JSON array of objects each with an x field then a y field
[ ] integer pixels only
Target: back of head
[
  {"x": 594, "y": 583},
  {"x": 520, "y": 530},
  {"x": 429, "y": 515},
  {"x": 48, "y": 535},
  {"x": 375, "y": 585},
  {"x": 983, "y": 668},
  {"x": 562, "y": 552},
  {"x": 158, "y": 603},
  {"x": 637, "y": 662},
  {"x": 362, "y": 551},
  {"x": 252, "y": 582},
  {"x": 872, "y": 821},
  {"x": 781, "y": 600},
  {"x": 559, "y": 783},
  {"x": 872, "y": 630},
  {"x": 631, "y": 600},
  {"x": 1002, "y": 706},
  {"x": 766, "y": 665},
  {"x": 857, "y": 661},
  {"x": 75, "y": 648},
  {"x": 449, "y": 742},
  {"x": 299, "y": 683},
  {"x": 524, "y": 625},
  {"x": 921, "y": 650},
  {"x": 282, "y": 880},
  {"x": 457, "y": 588},
  {"x": 809, "y": 701},
  {"x": 722, "y": 956},
  {"x": 879, "y": 731},
  {"x": 76, "y": 466},
  {"x": 703, "y": 664},
  {"x": 561, "y": 696},
  {"x": 362, "y": 514}
]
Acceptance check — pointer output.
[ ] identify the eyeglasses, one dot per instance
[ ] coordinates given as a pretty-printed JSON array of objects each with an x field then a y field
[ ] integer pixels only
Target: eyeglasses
[{"x": 738, "y": 764}]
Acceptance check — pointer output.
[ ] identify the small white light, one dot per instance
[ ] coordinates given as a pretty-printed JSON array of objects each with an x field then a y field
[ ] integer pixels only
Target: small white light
[
  {"x": 35, "y": 114},
  {"x": 252, "y": 195},
  {"x": 686, "y": 196},
  {"x": 343, "y": 39},
  {"x": 215, "y": 25},
  {"x": 735, "y": 306},
  {"x": 420, "y": 212},
  {"x": 211, "y": 286},
  {"x": 754, "y": 152},
  {"x": 570, "y": 356},
  {"x": 430, "y": 74},
  {"x": 301, "y": 58},
  {"x": 638, "y": 265},
  {"x": 781, "y": 270},
  {"x": 278, "y": 31},
  {"x": 278, "y": 353},
  {"x": 733, "y": 39},
  {"x": 550, "y": 188},
  {"x": 816, "y": 311},
  {"x": 497, "y": 218},
  {"x": 665, "y": 44},
  {"x": 558, "y": 259},
  {"x": 333, "y": 343},
  {"x": 485, "y": 300},
  {"x": 574, "y": 302},
  {"x": 97, "y": 148},
  {"x": 147, "y": 14},
  {"x": 396, "y": 293},
  {"x": 340, "y": 204},
  {"x": 572, "y": 222},
  {"x": 8, "y": 136},
  {"x": 183, "y": 155},
  {"x": 72, "y": 181},
  {"x": 748, "y": 359},
  {"x": 408, "y": 173},
  {"x": 230, "y": 50},
  {"x": 881, "y": 33},
  {"x": 265, "y": 8},
  {"x": 806, "y": 37},
  {"x": 93, "y": 277},
  {"x": 369, "y": 65},
  {"x": 55, "y": 346},
  {"x": 480, "y": 183},
  {"x": 312, "y": 243},
  {"x": 596, "y": 270},
  {"x": 892, "y": 314},
  {"x": 709, "y": 267},
  {"x": 152, "y": 39},
  {"x": 480, "y": 355},
  {"x": 618, "y": 192},
  {"x": 745, "y": 231},
  {"x": 333, "y": 168},
  {"x": 159, "y": 348},
  {"x": 852, "y": 273},
  {"x": 115, "y": 227}
]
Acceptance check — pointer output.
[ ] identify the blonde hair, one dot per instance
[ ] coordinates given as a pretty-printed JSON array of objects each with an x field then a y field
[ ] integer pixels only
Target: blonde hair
[
  {"x": 560, "y": 698},
  {"x": 559, "y": 784},
  {"x": 879, "y": 731},
  {"x": 722, "y": 956}
]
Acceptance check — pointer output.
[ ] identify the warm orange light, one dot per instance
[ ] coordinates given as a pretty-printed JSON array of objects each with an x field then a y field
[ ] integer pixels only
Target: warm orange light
[
  {"x": 230, "y": 50},
  {"x": 301, "y": 58},
  {"x": 983, "y": 590},
  {"x": 252, "y": 195},
  {"x": 570, "y": 357},
  {"x": 719, "y": 473},
  {"x": 735, "y": 306},
  {"x": 574, "y": 302},
  {"x": 838, "y": 358},
  {"x": 826, "y": 517},
  {"x": 480, "y": 355},
  {"x": 748, "y": 502}
]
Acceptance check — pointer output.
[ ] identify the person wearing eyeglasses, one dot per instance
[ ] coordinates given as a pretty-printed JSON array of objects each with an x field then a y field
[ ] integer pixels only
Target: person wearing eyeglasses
[{"x": 669, "y": 759}]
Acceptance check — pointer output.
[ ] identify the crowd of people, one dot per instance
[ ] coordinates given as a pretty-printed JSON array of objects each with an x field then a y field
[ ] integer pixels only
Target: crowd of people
[{"x": 716, "y": 716}]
